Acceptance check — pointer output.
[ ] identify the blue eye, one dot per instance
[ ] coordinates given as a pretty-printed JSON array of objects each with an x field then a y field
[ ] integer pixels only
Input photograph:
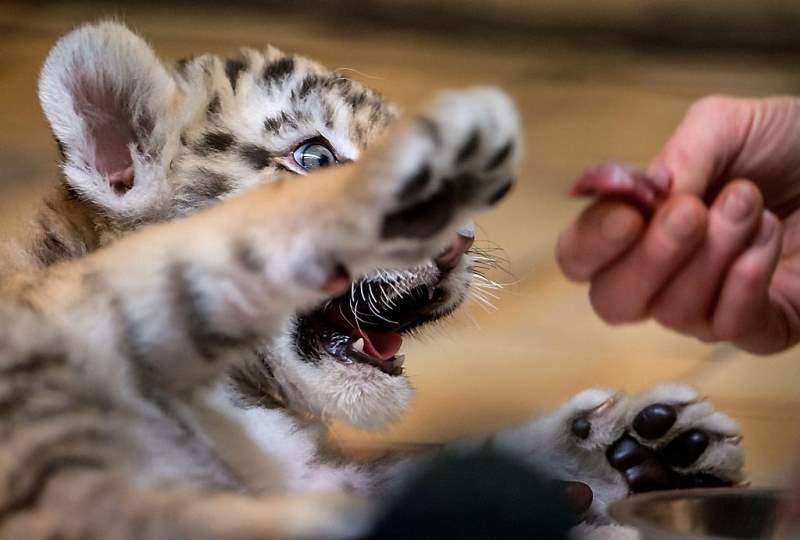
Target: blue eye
[{"x": 314, "y": 155}]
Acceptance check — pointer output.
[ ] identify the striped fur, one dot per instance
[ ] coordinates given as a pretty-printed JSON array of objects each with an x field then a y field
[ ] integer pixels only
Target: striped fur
[{"x": 150, "y": 383}]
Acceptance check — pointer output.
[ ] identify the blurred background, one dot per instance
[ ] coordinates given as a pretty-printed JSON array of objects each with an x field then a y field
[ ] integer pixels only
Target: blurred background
[{"x": 594, "y": 79}]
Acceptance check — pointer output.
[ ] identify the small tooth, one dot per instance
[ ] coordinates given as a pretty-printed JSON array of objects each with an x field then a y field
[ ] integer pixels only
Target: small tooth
[
  {"x": 431, "y": 291},
  {"x": 358, "y": 345},
  {"x": 399, "y": 359}
]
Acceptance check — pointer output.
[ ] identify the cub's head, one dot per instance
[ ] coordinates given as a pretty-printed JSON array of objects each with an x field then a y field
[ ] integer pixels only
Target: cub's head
[{"x": 142, "y": 143}]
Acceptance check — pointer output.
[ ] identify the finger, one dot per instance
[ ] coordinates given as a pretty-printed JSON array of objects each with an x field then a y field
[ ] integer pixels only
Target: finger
[
  {"x": 602, "y": 232},
  {"x": 703, "y": 144},
  {"x": 745, "y": 314},
  {"x": 686, "y": 303},
  {"x": 622, "y": 291}
]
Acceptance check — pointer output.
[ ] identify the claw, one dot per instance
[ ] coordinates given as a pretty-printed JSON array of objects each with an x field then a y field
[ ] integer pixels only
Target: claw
[
  {"x": 695, "y": 401},
  {"x": 733, "y": 440},
  {"x": 605, "y": 406}
]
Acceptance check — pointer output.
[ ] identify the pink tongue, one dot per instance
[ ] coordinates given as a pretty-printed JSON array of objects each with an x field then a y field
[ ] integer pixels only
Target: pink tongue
[{"x": 382, "y": 345}]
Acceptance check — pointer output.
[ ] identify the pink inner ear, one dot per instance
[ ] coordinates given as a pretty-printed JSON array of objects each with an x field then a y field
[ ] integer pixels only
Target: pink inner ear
[
  {"x": 109, "y": 120},
  {"x": 121, "y": 181}
]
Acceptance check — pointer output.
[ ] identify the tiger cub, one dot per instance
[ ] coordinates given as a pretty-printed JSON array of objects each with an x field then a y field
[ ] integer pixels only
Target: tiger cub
[{"x": 233, "y": 257}]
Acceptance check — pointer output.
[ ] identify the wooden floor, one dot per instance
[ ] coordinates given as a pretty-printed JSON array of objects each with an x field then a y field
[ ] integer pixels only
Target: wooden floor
[{"x": 541, "y": 343}]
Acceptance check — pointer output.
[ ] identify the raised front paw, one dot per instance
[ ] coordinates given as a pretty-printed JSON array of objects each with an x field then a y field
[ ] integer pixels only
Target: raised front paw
[
  {"x": 665, "y": 438},
  {"x": 458, "y": 157}
]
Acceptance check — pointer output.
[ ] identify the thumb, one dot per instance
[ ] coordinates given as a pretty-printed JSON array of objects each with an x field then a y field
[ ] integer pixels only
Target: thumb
[{"x": 704, "y": 144}]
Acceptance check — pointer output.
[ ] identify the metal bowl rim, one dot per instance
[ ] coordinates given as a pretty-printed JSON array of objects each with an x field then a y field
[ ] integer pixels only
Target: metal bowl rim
[{"x": 623, "y": 511}]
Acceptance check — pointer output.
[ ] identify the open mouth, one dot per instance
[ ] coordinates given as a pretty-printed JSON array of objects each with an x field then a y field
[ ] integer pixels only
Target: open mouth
[
  {"x": 366, "y": 325},
  {"x": 353, "y": 329}
]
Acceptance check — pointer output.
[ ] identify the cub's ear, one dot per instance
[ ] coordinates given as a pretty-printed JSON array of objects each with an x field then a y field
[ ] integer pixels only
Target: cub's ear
[{"x": 107, "y": 98}]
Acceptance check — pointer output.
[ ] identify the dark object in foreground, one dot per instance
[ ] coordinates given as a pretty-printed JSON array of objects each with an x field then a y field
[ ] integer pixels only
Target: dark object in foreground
[{"x": 481, "y": 495}]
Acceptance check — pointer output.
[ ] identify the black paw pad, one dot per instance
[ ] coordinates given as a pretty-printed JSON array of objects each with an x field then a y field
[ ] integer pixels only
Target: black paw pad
[
  {"x": 417, "y": 183},
  {"x": 431, "y": 128},
  {"x": 500, "y": 156},
  {"x": 686, "y": 448},
  {"x": 581, "y": 428},
  {"x": 646, "y": 469},
  {"x": 655, "y": 421},
  {"x": 469, "y": 148},
  {"x": 425, "y": 218},
  {"x": 627, "y": 453},
  {"x": 650, "y": 475},
  {"x": 500, "y": 193}
]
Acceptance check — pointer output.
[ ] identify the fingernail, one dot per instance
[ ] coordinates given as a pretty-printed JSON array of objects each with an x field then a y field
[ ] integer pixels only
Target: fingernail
[
  {"x": 617, "y": 225},
  {"x": 769, "y": 223},
  {"x": 681, "y": 222},
  {"x": 738, "y": 203}
]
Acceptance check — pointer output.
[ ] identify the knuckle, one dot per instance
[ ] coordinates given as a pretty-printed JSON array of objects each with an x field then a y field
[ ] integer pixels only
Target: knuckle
[
  {"x": 676, "y": 318},
  {"x": 600, "y": 305},
  {"x": 693, "y": 204},
  {"x": 679, "y": 225},
  {"x": 569, "y": 260},
  {"x": 748, "y": 276},
  {"x": 713, "y": 104},
  {"x": 725, "y": 115},
  {"x": 574, "y": 270},
  {"x": 727, "y": 331},
  {"x": 609, "y": 308}
]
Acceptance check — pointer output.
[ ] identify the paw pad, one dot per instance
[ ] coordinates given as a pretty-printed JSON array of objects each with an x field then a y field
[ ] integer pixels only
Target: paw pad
[
  {"x": 581, "y": 428},
  {"x": 648, "y": 476},
  {"x": 649, "y": 464},
  {"x": 627, "y": 453},
  {"x": 655, "y": 421},
  {"x": 458, "y": 158},
  {"x": 646, "y": 469},
  {"x": 686, "y": 448}
]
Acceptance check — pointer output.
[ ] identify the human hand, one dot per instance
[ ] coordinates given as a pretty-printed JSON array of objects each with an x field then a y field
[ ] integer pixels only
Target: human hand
[{"x": 719, "y": 257}]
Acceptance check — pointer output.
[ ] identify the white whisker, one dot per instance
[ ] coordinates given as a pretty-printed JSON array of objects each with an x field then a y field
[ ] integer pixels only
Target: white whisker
[{"x": 376, "y": 77}]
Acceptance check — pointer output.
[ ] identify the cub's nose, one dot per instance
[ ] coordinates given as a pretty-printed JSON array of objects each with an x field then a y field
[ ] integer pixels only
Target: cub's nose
[{"x": 449, "y": 258}]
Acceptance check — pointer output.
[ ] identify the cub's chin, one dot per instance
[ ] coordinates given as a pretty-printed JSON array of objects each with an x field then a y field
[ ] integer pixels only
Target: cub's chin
[{"x": 359, "y": 395}]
